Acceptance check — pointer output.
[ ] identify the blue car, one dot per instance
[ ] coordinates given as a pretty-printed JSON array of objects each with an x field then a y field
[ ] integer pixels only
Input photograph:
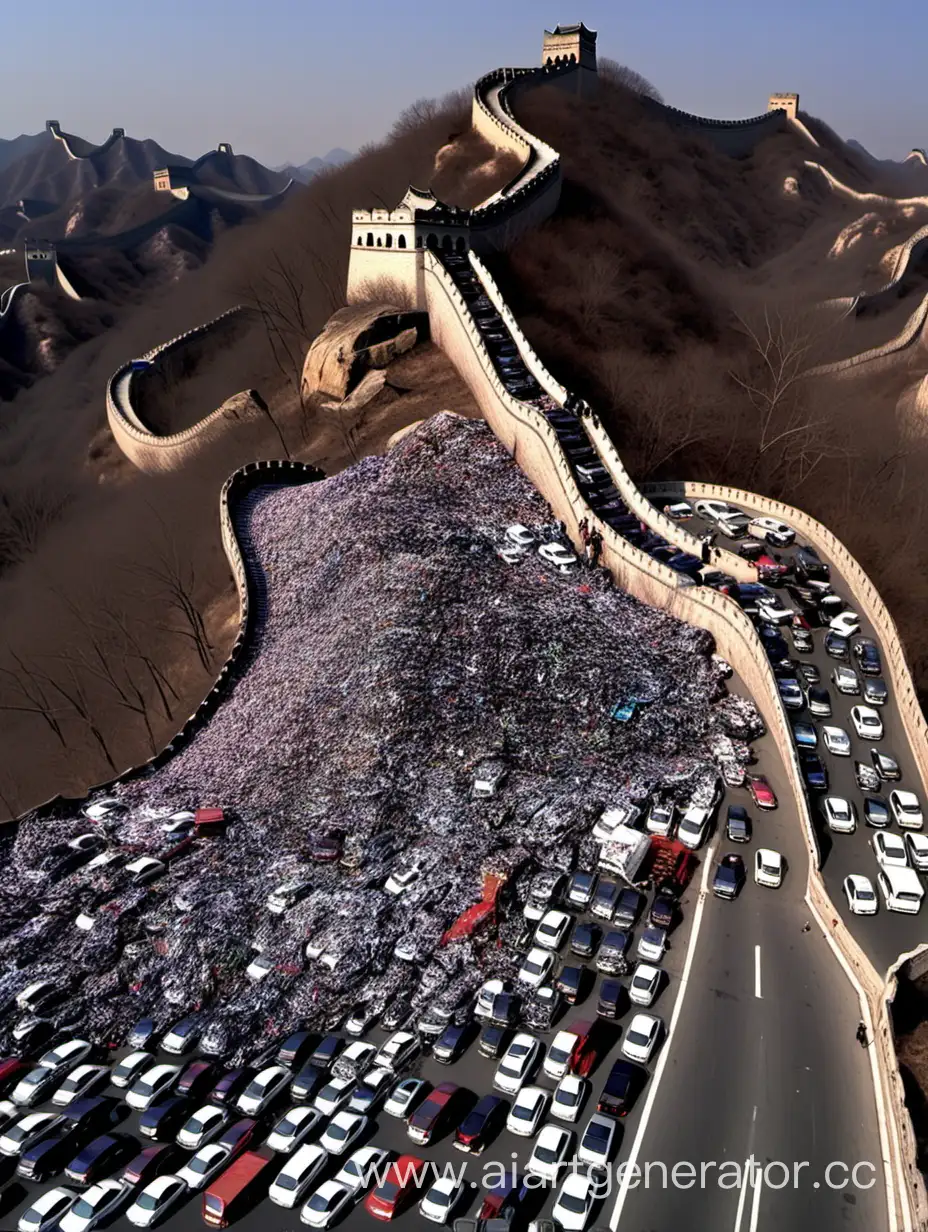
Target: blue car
[
  {"x": 813, "y": 770},
  {"x": 805, "y": 735}
]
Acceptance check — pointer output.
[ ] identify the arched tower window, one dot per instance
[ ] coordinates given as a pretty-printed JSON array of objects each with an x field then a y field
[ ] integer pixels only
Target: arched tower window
[
  {"x": 401, "y": 241},
  {"x": 389, "y": 242},
  {"x": 418, "y": 241},
  {"x": 461, "y": 246},
  {"x": 370, "y": 239},
  {"x": 446, "y": 243},
  {"x": 432, "y": 241},
  {"x": 380, "y": 241}
]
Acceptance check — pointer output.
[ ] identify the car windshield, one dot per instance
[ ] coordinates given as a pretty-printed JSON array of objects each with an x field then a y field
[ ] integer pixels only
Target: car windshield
[
  {"x": 201, "y": 1163},
  {"x": 286, "y": 1182},
  {"x": 909, "y": 895},
  {"x": 865, "y": 895},
  {"x": 524, "y": 1112},
  {"x": 82, "y": 1209},
  {"x": 641, "y": 981},
  {"x": 387, "y": 1191},
  {"x": 571, "y": 1203},
  {"x": 770, "y": 868},
  {"x": 546, "y": 1154},
  {"x": 563, "y": 1095},
  {"x": 595, "y": 1134},
  {"x": 636, "y": 1037},
  {"x": 147, "y": 1201},
  {"x": 319, "y": 1202},
  {"x": 338, "y": 1131}
]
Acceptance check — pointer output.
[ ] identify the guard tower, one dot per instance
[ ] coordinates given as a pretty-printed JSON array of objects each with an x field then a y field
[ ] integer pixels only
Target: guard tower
[
  {"x": 570, "y": 44},
  {"x": 225, "y": 148},
  {"x": 784, "y": 102}
]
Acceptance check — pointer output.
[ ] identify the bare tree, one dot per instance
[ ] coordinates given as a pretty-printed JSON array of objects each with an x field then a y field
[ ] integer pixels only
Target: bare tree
[{"x": 622, "y": 75}]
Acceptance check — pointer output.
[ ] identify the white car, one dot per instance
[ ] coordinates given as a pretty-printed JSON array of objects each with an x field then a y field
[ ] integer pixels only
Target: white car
[
  {"x": 644, "y": 984},
  {"x": 154, "y": 1082},
  {"x": 597, "y": 1140},
  {"x": 768, "y": 867},
  {"x": 334, "y": 1095},
  {"x": 403, "y": 879},
  {"x": 557, "y": 1061},
  {"x": 371, "y": 1090},
  {"x": 520, "y": 535},
  {"x": 840, "y": 814},
  {"x": 343, "y": 1131},
  {"x": 510, "y": 553},
  {"x": 536, "y": 967},
  {"x": 652, "y": 944},
  {"x": 108, "y": 806},
  {"x": 293, "y": 1128},
  {"x": 774, "y": 531},
  {"x": 203, "y": 1126},
  {"x": 297, "y": 1174},
  {"x": 404, "y": 1096},
  {"x": 575, "y": 1202},
  {"x": 527, "y": 1111},
  {"x": 155, "y": 1200},
  {"x": 569, "y": 1097},
  {"x": 360, "y": 1169},
  {"x": 487, "y": 994},
  {"x": 641, "y": 1036},
  {"x": 889, "y": 850},
  {"x": 143, "y": 870},
  {"x": 680, "y": 511},
  {"x": 259, "y": 968},
  {"x": 518, "y": 1063},
  {"x": 846, "y": 680},
  {"x": 355, "y": 1061},
  {"x": 906, "y": 809},
  {"x": 902, "y": 890},
  {"x": 33, "y": 1087},
  {"x": 179, "y": 822},
  {"x": 660, "y": 819},
  {"x": 441, "y": 1199},
  {"x": 80, "y": 1082},
  {"x": 397, "y": 1051},
  {"x": 836, "y": 740},
  {"x": 847, "y": 623},
  {"x": 27, "y": 1130},
  {"x": 550, "y": 1153},
  {"x": 263, "y": 1089},
  {"x": 861, "y": 899},
  {"x": 130, "y": 1067},
  {"x": 95, "y": 1205},
  {"x": 556, "y": 554},
  {"x": 867, "y": 722},
  {"x": 774, "y": 610},
  {"x": 326, "y": 1204},
  {"x": 612, "y": 819},
  {"x": 553, "y": 929},
  {"x": 917, "y": 847},
  {"x": 719, "y": 511},
  {"x": 65, "y": 1057},
  {"x": 360, "y": 1018},
  {"x": 200, "y": 1169},
  {"x": 47, "y": 1209},
  {"x": 694, "y": 826}
]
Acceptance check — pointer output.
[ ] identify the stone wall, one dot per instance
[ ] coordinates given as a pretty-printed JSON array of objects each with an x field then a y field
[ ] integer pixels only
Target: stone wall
[{"x": 737, "y": 138}]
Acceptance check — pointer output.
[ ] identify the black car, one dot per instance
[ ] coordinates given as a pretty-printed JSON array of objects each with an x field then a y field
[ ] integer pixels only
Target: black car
[
  {"x": 738, "y": 824},
  {"x": 628, "y": 908},
  {"x": 162, "y": 1119},
  {"x": 452, "y": 1043},
  {"x": 605, "y": 899},
  {"x": 481, "y": 1124},
  {"x": 809, "y": 673},
  {"x": 96, "y": 1113},
  {"x": 813, "y": 771},
  {"x": 31, "y": 1034},
  {"x": 729, "y": 877},
  {"x": 570, "y": 982},
  {"x": 142, "y": 1034},
  {"x": 777, "y": 650},
  {"x": 876, "y": 812},
  {"x": 47, "y": 1157},
  {"x": 296, "y": 1049},
  {"x": 875, "y": 691},
  {"x": 585, "y": 939},
  {"x": 580, "y": 889},
  {"x": 268, "y": 1054},
  {"x": 622, "y": 1087},
  {"x": 231, "y": 1085},
  {"x": 100, "y": 1158},
  {"x": 150, "y": 1162},
  {"x": 504, "y": 1011},
  {"x": 611, "y": 998},
  {"x": 397, "y": 1013},
  {"x": 308, "y": 1082},
  {"x": 810, "y": 566},
  {"x": 663, "y": 910},
  {"x": 867, "y": 654},
  {"x": 493, "y": 1041},
  {"x": 819, "y": 701},
  {"x": 326, "y": 1051},
  {"x": 836, "y": 645}
]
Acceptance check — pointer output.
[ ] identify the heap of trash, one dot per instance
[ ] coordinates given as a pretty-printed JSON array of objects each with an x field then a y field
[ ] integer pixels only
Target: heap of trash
[{"x": 421, "y": 722}]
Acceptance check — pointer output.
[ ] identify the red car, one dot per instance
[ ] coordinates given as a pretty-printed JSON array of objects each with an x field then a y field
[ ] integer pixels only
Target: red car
[
  {"x": 761, "y": 792},
  {"x": 770, "y": 570},
  {"x": 151, "y": 1162},
  {"x": 197, "y": 1079},
  {"x": 429, "y": 1116},
  {"x": 11, "y": 1069},
  {"x": 398, "y": 1188}
]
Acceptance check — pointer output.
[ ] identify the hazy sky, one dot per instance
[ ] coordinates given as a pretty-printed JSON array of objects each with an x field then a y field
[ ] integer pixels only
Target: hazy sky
[{"x": 287, "y": 79}]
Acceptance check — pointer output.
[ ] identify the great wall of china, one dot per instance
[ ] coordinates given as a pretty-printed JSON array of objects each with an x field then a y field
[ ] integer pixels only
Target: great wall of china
[{"x": 410, "y": 245}]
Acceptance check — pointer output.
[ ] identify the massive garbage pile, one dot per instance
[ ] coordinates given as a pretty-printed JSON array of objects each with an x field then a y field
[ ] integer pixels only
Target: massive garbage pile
[{"x": 403, "y": 661}]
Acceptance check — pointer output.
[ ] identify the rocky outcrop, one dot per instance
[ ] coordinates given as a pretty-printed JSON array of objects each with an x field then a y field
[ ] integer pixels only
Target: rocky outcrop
[{"x": 355, "y": 341}]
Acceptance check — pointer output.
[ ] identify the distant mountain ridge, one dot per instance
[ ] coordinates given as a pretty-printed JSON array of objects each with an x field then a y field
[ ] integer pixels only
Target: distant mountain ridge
[{"x": 312, "y": 167}]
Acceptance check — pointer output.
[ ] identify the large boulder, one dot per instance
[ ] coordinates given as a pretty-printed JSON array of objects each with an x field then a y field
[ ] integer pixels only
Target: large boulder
[{"x": 355, "y": 340}]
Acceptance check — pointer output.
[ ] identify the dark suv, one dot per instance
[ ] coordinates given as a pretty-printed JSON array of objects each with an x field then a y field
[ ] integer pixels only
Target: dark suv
[
  {"x": 481, "y": 1124},
  {"x": 99, "y": 1158}
]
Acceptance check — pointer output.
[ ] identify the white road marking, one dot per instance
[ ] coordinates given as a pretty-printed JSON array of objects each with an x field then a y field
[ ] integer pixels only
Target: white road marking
[
  {"x": 741, "y": 1199},
  {"x": 745, "y": 1179},
  {"x": 755, "y": 1205},
  {"x": 665, "y": 1051},
  {"x": 757, "y": 972}
]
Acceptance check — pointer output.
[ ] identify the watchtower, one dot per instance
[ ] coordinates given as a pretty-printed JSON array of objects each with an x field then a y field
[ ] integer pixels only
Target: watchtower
[
  {"x": 225, "y": 148},
  {"x": 570, "y": 44},
  {"x": 784, "y": 102},
  {"x": 162, "y": 179}
]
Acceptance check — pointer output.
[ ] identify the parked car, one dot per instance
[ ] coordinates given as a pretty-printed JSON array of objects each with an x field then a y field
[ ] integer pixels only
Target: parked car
[
  {"x": 131, "y": 1068},
  {"x": 738, "y": 824},
  {"x": 860, "y": 895},
  {"x": 729, "y": 877},
  {"x": 761, "y": 792},
  {"x": 519, "y": 1063},
  {"x": 481, "y": 1124}
]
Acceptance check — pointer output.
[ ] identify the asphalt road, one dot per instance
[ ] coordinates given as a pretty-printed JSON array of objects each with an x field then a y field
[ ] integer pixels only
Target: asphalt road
[
  {"x": 888, "y": 934},
  {"x": 778, "y": 1076}
]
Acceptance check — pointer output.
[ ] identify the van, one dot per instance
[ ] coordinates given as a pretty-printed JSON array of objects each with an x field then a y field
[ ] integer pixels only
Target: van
[
  {"x": 902, "y": 890},
  {"x": 230, "y": 1194}
]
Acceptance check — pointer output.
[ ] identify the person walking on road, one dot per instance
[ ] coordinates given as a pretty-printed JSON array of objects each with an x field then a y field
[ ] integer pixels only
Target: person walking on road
[
  {"x": 862, "y": 1034},
  {"x": 596, "y": 547}
]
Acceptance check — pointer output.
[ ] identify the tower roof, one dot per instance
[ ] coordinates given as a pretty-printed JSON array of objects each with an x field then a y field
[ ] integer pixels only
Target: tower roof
[{"x": 576, "y": 28}]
